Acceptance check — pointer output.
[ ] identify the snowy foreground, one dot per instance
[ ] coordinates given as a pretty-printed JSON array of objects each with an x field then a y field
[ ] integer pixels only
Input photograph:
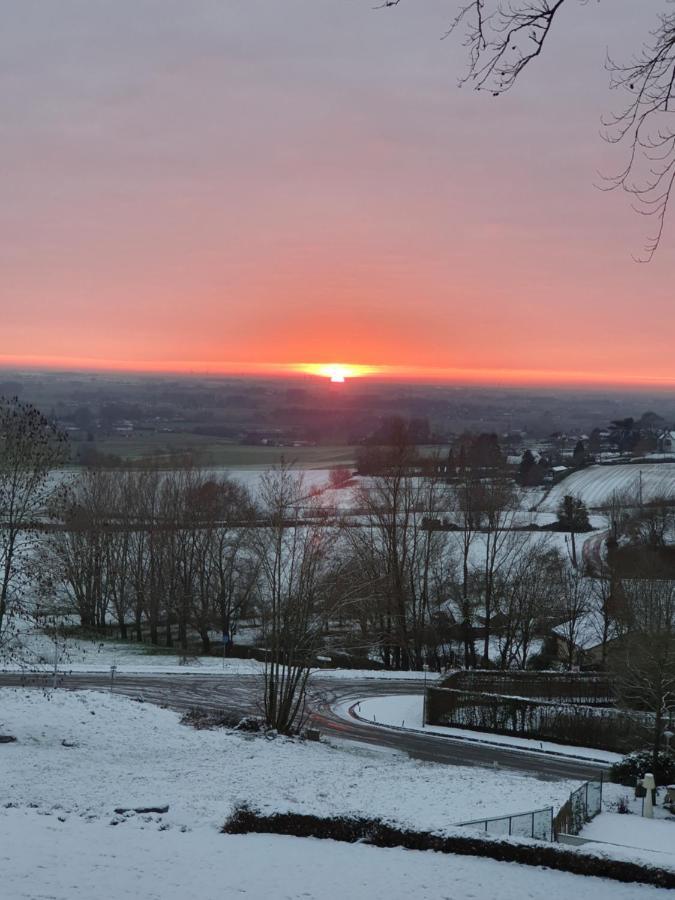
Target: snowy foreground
[
  {"x": 652, "y": 841},
  {"x": 625, "y": 836},
  {"x": 41, "y": 858},
  {"x": 80, "y": 755}
]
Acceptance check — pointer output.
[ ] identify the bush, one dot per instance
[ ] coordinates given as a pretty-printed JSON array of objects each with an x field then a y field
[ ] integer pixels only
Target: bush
[
  {"x": 635, "y": 765},
  {"x": 206, "y": 719},
  {"x": 623, "y": 806}
]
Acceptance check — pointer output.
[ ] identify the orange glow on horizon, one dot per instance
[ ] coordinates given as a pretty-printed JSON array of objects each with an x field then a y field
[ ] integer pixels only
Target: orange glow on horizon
[
  {"x": 337, "y": 372},
  {"x": 486, "y": 377},
  {"x": 332, "y": 228}
]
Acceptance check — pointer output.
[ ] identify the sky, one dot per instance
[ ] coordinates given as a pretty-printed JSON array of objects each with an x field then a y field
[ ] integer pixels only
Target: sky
[{"x": 248, "y": 185}]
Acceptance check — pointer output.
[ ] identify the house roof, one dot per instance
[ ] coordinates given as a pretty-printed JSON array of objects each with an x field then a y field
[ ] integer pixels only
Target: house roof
[{"x": 587, "y": 631}]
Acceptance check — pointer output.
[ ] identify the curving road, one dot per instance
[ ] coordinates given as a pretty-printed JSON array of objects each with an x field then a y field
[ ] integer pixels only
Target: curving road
[{"x": 241, "y": 694}]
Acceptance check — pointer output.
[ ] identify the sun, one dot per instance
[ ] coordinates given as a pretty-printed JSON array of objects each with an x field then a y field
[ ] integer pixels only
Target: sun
[{"x": 337, "y": 373}]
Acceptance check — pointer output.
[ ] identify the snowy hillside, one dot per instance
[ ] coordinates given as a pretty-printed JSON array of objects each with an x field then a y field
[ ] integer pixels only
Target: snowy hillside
[
  {"x": 596, "y": 484},
  {"x": 80, "y": 756}
]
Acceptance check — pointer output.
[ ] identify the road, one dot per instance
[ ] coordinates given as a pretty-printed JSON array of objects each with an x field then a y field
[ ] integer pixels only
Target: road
[{"x": 241, "y": 693}]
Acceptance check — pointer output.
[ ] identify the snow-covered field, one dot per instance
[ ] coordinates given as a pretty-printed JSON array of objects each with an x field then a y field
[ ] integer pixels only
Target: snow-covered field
[
  {"x": 80, "y": 755},
  {"x": 121, "y": 753},
  {"x": 406, "y": 711},
  {"x": 518, "y": 542},
  {"x": 596, "y": 484},
  {"x": 41, "y": 653},
  {"x": 41, "y": 858}
]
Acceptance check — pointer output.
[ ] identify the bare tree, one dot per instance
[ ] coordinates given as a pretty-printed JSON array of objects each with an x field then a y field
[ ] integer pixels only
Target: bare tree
[
  {"x": 526, "y": 594},
  {"x": 574, "y": 606},
  {"x": 500, "y": 505},
  {"x": 226, "y": 572},
  {"x": 76, "y": 555},
  {"x": 293, "y": 554},
  {"x": 503, "y": 37},
  {"x": 619, "y": 508},
  {"x": 644, "y": 665},
  {"x": 651, "y": 523},
  {"x": 602, "y": 612},
  {"x": 31, "y": 447},
  {"x": 398, "y": 554},
  {"x": 467, "y": 497}
]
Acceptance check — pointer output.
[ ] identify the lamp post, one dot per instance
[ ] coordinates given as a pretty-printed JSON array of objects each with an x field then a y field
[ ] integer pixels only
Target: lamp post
[
  {"x": 424, "y": 704},
  {"x": 649, "y": 784}
]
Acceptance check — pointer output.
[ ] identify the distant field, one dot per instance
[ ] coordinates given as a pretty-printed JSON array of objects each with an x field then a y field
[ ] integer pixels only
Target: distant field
[
  {"x": 596, "y": 484},
  {"x": 211, "y": 451}
]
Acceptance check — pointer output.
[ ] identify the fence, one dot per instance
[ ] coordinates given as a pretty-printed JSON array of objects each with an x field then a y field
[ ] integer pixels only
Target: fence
[
  {"x": 535, "y": 824},
  {"x": 583, "y": 805}
]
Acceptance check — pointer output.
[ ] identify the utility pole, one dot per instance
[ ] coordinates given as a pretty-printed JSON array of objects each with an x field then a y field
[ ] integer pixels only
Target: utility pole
[{"x": 424, "y": 703}]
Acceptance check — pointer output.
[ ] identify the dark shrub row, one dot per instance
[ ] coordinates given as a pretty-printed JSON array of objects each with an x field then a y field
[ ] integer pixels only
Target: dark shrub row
[
  {"x": 379, "y": 834},
  {"x": 586, "y": 688},
  {"x": 566, "y": 723},
  {"x": 636, "y": 765}
]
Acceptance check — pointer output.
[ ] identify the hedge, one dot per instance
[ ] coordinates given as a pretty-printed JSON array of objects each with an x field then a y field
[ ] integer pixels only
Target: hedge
[
  {"x": 588, "y": 726},
  {"x": 377, "y": 833}
]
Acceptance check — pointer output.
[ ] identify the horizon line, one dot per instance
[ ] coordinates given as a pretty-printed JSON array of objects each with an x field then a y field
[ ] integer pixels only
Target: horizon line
[{"x": 407, "y": 373}]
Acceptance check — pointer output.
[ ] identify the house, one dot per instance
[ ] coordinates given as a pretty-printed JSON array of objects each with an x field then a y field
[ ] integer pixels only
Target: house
[
  {"x": 665, "y": 442},
  {"x": 556, "y": 474},
  {"x": 584, "y": 637}
]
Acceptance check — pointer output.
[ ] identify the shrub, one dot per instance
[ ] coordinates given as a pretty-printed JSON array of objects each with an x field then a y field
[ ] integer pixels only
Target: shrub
[
  {"x": 635, "y": 765},
  {"x": 201, "y": 719},
  {"x": 623, "y": 805}
]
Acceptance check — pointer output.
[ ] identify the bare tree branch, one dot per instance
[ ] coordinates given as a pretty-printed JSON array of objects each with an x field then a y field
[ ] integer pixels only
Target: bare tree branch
[{"x": 503, "y": 37}]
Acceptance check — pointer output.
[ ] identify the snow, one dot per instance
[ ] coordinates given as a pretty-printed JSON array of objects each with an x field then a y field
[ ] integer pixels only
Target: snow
[
  {"x": 41, "y": 857},
  {"x": 596, "y": 484},
  {"x": 653, "y": 839},
  {"x": 518, "y": 542},
  {"x": 406, "y": 711},
  {"x": 118, "y": 752},
  {"x": 79, "y": 755},
  {"x": 587, "y": 630},
  {"x": 92, "y": 656}
]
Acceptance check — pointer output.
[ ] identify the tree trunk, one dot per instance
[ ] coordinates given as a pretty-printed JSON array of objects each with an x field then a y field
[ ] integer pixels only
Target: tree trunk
[{"x": 658, "y": 728}]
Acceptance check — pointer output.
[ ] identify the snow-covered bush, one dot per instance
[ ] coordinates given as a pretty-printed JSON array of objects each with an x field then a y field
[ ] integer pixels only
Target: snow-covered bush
[{"x": 634, "y": 766}]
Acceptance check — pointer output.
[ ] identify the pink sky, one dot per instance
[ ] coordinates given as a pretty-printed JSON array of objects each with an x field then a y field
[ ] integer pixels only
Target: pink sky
[{"x": 236, "y": 185}]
